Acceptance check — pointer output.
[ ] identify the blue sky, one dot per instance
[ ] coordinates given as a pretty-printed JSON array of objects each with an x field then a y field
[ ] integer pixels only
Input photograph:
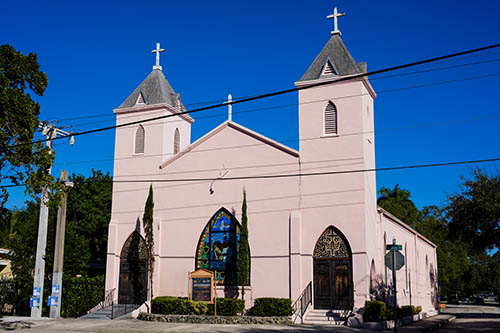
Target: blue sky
[{"x": 96, "y": 52}]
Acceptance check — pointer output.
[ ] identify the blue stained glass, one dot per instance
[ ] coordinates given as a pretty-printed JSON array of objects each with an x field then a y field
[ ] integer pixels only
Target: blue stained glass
[
  {"x": 222, "y": 224},
  {"x": 218, "y": 247}
]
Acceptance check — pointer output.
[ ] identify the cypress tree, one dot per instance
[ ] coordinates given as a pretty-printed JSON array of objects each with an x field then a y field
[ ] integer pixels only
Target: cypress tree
[
  {"x": 244, "y": 252},
  {"x": 147, "y": 221}
]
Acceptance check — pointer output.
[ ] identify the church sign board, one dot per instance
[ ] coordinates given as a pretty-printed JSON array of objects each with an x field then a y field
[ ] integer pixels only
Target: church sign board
[{"x": 201, "y": 285}]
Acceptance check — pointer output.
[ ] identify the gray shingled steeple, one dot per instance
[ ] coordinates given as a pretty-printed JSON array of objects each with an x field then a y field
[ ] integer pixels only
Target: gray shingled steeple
[
  {"x": 155, "y": 90},
  {"x": 341, "y": 60}
]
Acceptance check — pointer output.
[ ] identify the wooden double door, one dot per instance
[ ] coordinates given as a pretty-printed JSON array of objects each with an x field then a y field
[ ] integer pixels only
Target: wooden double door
[
  {"x": 133, "y": 282},
  {"x": 333, "y": 284}
]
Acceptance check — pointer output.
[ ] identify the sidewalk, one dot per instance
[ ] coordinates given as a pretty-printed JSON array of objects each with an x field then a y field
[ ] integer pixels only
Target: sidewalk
[
  {"x": 45, "y": 325},
  {"x": 430, "y": 324}
]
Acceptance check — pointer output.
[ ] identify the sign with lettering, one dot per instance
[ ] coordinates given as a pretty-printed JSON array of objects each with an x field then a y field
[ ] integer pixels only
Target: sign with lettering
[
  {"x": 53, "y": 300},
  {"x": 201, "y": 284}
]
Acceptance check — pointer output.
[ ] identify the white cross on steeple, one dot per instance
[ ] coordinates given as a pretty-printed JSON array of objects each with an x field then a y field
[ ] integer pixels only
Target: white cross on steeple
[
  {"x": 157, "y": 51},
  {"x": 335, "y": 17}
]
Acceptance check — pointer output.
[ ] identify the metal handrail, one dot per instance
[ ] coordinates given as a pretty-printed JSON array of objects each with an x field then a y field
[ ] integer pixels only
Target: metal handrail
[
  {"x": 345, "y": 305},
  {"x": 303, "y": 301},
  {"x": 108, "y": 301}
]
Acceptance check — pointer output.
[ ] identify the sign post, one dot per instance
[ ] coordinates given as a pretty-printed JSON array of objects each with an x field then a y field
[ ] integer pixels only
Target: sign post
[{"x": 395, "y": 261}]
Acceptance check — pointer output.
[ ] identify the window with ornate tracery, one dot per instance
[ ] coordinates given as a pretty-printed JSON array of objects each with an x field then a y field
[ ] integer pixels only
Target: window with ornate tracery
[
  {"x": 139, "y": 140},
  {"x": 218, "y": 247},
  {"x": 332, "y": 245},
  {"x": 177, "y": 141}
]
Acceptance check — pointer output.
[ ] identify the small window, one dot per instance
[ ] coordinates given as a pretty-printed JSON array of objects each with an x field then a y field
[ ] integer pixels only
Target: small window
[
  {"x": 331, "y": 119},
  {"x": 329, "y": 69},
  {"x": 139, "y": 140},
  {"x": 177, "y": 141}
]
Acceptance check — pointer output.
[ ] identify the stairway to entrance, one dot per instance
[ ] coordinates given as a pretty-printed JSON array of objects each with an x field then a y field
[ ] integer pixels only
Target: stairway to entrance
[{"x": 324, "y": 317}]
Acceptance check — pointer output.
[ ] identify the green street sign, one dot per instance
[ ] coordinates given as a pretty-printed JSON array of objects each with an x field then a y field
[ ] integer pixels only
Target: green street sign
[{"x": 394, "y": 247}]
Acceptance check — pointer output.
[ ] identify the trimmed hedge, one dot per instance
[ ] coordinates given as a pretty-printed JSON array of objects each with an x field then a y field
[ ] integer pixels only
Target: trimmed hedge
[
  {"x": 378, "y": 311},
  {"x": 182, "y": 306},
  {"x": 374, "y": 311},
  {"x": 272, "y": 307},
  {"x": 408, "y": 310}
]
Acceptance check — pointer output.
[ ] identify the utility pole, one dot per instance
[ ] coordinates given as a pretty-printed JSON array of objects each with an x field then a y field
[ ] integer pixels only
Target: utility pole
[
  {"x": 50, "y": 131},
  {"x": 56, "y": 298}
]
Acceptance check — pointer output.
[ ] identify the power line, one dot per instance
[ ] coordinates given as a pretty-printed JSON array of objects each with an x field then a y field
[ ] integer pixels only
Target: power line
[
  {"x": 108, "y": 114},
  {"x": 282, "y": 92},
  {"x": 403, "y": 167}
]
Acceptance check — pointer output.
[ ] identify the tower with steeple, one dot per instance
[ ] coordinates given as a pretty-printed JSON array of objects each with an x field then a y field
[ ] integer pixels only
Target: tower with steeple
[
  {"x": 336, "y": 134},
  {"x": 146, "y": 145}
]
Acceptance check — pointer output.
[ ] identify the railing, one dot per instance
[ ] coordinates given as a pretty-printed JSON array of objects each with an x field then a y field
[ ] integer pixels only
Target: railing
[
  {"x": 109, "y": 296},
  {"x": 303, "y": 301},
  {"x": 118, "y": 310}
]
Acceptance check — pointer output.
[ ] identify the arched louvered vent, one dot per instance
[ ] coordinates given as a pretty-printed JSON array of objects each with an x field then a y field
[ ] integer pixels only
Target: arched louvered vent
[
  {"x": 329, "y": 69},
  {"x": 177, "y": 141},
  {"x": 139, "y": 140},
  {"x": 331, "y": 119}
]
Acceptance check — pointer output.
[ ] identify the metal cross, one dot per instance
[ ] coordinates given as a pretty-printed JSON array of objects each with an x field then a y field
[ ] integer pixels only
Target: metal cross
[
  {"x": 157, "y": 51},
  {"x": 335, "y": 17}
]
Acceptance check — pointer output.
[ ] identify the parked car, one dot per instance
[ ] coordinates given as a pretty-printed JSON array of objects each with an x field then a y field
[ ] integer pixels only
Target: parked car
[{"x": 478, "y": 301}]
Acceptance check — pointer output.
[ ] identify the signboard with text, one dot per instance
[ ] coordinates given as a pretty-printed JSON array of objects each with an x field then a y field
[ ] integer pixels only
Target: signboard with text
[{"x": 201, "y": 285}]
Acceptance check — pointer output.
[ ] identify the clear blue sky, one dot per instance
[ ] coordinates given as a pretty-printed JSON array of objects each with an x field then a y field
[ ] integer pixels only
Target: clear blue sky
[{"x": 96, "y": 52}]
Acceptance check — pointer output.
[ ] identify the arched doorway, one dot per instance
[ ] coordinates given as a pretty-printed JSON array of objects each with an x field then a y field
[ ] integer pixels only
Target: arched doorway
[
  {"x": 132, "y": 286},
  {"x": 332, "y": 270}
]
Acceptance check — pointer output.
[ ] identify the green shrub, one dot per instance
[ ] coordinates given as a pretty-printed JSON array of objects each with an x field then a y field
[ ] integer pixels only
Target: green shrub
[
  {"x": 419, "y": 309},
  {"x": 230, "y": 306},
  {"x": 181, "y": 305},
  {"x": 408, "y": 310},
  {"x": 272, "y": 307},
  {"x": 177, "y": 305},
  {"x": 374, "y": 311},
  {"x": 80, "y": 294}
]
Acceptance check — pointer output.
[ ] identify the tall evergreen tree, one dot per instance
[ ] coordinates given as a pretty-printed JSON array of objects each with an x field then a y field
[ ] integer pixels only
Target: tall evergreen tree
[
  {"x": 244, "y": 250},
  {"x": 147, "y": 221}
]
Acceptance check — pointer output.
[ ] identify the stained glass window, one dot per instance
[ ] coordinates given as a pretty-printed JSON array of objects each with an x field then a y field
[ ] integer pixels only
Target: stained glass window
[
  {"x": 218, "y": 247},
  {"x": 332, "y": 244}
]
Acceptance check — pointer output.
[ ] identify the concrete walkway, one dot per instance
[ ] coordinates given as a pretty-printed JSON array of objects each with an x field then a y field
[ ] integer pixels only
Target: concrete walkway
[{"x": 137, "y": 326}]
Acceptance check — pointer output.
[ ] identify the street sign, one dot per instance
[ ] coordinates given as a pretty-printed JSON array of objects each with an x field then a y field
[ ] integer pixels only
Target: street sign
[
  {"x": 34, "y": 302},
  {"x": 400, "y": 260},
  {"x": 394, "y": 247}
]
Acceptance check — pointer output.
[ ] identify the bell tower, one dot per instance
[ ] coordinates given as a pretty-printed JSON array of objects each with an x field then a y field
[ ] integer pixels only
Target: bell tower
[{"x": 336, "y": 136}]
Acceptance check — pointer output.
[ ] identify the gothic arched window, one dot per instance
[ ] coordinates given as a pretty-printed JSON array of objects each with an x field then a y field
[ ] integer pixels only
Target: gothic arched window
[
  {"x": 218, "y": 247},
  {"x": 139, "y": 140},
  {"x": 177, "y": 141},
  {"x": 331, "y": 119}
]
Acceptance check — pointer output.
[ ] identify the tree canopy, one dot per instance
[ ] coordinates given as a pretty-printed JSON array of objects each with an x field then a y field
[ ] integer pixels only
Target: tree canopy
[
  {"x": 397, "y": 202},
  {"x": 20, "y": 160}
]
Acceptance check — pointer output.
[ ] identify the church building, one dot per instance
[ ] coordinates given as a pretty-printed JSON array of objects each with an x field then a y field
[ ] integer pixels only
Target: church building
[{"x": 313, "y": 222}]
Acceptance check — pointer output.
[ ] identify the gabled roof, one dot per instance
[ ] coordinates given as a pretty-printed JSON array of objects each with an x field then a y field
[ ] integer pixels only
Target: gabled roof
[
  {"x": 336, "y": 52},
  {"x": 155, "y": 89},
  {"x": 239, "y": 128}
]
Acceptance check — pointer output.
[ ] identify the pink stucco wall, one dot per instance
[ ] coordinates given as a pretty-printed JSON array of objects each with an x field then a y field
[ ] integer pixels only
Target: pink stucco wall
[{"x": 286, "y": 216}]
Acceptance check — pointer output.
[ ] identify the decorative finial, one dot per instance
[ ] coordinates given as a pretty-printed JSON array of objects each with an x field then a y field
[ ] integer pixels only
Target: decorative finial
[
  {"x": 229, "y": 107},
  {"x": 335, "y": 17},
  {"x": 157, "y": 51}
]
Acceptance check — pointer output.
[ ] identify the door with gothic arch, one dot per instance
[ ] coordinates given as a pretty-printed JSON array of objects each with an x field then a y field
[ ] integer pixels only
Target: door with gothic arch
[
  {"x": 332, "y": 270},
  {"x": 133, "y": 281}
]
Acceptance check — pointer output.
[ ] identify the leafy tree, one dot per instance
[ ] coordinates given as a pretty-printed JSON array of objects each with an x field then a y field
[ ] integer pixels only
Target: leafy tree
[
  {"x": 20, "y": 75},
  {"x": 147, "y": 220},
  {"x": 397, "y": 202},
  {"x": 5, "y": 226},
  {"x": 474, "y": 212},
  {"x": 244, "y": 250},
  {"x": 452, "y": 255}
]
